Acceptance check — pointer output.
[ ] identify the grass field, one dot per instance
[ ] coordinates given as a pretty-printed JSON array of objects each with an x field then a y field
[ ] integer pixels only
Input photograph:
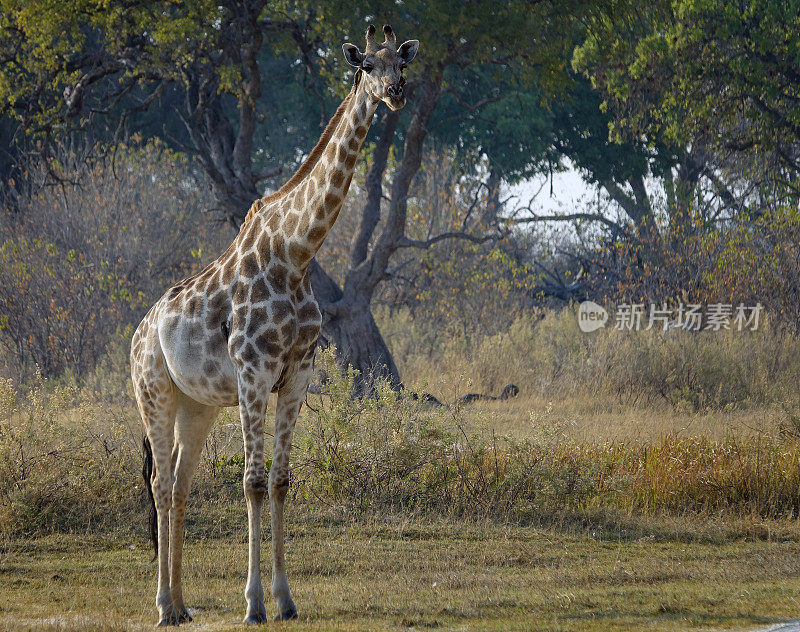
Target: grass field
[{"x": 445, "y": 575}]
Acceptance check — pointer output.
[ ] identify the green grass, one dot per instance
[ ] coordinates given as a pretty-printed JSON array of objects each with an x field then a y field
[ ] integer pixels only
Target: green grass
[{"x": 421, "y": 575}]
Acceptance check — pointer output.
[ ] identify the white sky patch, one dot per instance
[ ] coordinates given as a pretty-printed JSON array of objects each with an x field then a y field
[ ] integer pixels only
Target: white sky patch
[{"x": 570, "y": 193}]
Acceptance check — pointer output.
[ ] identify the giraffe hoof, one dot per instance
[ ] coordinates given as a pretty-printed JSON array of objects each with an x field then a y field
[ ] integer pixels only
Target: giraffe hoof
[
  {"x": 256, "y": 618},
  {"x": 185, "y": 617},
  {"x": 169, "y": 616},
  {"x": 170, "y": 620},
  {"x": 287, "y": 615}
]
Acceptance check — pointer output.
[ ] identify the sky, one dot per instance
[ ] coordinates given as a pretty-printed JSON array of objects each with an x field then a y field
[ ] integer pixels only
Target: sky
[{"x": 569, "y": 193}]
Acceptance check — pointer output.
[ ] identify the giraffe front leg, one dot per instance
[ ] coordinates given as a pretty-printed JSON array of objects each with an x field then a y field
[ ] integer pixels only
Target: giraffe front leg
[
  {"x": 278, "y": 486},
  {"x": 253, "y": 393},
  {"x": 289, "y": 402}
]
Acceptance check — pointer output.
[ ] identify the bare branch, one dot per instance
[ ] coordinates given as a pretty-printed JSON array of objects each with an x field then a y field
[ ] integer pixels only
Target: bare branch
[
  {"x": 258, "y": 176},
  {"x": 405, "y": 242},
  {"x": 569, "y": 217},
  {"x": 472, "y": 108}
]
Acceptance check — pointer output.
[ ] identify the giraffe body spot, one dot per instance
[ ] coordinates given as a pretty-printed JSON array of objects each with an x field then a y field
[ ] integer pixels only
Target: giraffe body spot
[
  {"x": 249, "y": 267},
  {"x": 299, "y": 254},
  {"x": 290, "y": 223},
  {"x": 332, "y": 200},
  {"x": 259, "y": 291},
  {"x": 316, "y": 234}
]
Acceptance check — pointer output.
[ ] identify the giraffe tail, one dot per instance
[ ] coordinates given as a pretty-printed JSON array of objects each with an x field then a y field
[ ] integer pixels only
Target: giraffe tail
[{"x": 147, "y": 473}]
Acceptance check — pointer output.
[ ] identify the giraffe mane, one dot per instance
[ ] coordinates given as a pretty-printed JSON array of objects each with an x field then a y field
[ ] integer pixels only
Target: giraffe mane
[{"x": 313, "y": 157}]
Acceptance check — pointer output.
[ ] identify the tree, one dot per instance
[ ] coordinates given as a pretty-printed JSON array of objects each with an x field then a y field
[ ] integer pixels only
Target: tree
[
  {"x": 102, "y": 69},
  {"x": 515, "y": 49},
  {"x": 706, "y": 93},
  {"x": 718, "y": 76}
]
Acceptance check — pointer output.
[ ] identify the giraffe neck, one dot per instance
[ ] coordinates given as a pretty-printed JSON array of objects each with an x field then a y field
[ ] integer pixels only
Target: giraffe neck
[{"x": 306, "y": 214}]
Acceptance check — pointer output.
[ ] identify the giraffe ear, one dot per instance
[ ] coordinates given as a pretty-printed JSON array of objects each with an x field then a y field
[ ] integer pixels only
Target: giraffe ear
[
  {"x": 408, "y": 50},
  {"x": 353, "y": 56}
]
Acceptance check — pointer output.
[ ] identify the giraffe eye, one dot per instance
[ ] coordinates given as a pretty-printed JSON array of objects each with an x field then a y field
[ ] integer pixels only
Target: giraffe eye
[{"x": 366, "y": 66}]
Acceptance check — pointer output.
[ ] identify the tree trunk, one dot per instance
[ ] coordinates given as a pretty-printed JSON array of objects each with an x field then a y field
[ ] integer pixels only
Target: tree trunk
[
  {"x": 347, "y": 323},
  {"x": 492, "y": 209},
  {"x": 348, "y": 320},
  {"x": 371, "y": 214},
  {"x": 359, "y": 343}
]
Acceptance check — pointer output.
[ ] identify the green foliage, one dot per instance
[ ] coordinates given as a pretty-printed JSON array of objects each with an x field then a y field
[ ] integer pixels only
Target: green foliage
[
  {"x": 692, "y": 68},
  {"x": 49, "y": 39},
  {"x": 581, "y": 133},
  {"x": 110, "y": 70},
  {"x": 68, "y": 64},
  {"x": 513, "y": 128}
]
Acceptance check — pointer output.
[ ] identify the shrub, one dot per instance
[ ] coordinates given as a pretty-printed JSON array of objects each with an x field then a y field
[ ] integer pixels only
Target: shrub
[
  {"x": 66, "y": 463},
  {"x": 57, "y": 309},
  {"x": 82, "y": 261},
  {"x": 760, "y": 262},
  {"x": 396, "y": 453}
]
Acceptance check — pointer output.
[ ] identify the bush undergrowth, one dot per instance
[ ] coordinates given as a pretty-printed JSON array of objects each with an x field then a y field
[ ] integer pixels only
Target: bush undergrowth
[
  {"x": 547, "y": 355},
  {"x": 70, "y": 460}
]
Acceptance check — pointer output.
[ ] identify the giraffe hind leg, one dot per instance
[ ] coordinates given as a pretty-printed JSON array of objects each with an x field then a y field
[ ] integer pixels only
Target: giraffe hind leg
[
  {"x": 193, "y": 421},
  {"x": 159, "y": 426},
  {"x": 157, "y": 400}
]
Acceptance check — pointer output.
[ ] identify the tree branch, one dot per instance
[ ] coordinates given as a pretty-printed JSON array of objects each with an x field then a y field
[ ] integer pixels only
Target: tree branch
[
  {"x": 405, "y": 242},
  {"x": 570, "y": 217}
]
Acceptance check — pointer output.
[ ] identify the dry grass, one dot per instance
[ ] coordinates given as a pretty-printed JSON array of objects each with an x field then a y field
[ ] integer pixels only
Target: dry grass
[
  {"x": 400, "y": 575},
  {"x": 69, "y": 461},
  {"x": 611, "y": 385},
  {"x": 595, "y": 418}
]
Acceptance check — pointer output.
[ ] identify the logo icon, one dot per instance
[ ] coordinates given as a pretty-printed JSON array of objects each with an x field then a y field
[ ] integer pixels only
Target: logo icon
[{"x": 591, "y": 316}]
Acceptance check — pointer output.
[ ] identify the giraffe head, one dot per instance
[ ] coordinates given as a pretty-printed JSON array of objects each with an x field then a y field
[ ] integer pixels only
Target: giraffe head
[{"x": 382, "y": 65}]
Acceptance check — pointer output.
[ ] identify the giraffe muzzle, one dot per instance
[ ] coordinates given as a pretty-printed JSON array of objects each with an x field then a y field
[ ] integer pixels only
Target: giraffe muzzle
[
  {"x": 395, "y": 91},
  {"x": 395, "y": 95}
]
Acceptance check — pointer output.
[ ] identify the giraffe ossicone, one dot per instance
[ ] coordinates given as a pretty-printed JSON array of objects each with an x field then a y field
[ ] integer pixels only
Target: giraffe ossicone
[{"x": 244, "y": 327}]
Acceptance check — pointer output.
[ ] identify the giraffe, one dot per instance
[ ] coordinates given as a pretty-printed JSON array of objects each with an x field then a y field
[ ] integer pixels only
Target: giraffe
[{"x": 244, "y": 327}]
